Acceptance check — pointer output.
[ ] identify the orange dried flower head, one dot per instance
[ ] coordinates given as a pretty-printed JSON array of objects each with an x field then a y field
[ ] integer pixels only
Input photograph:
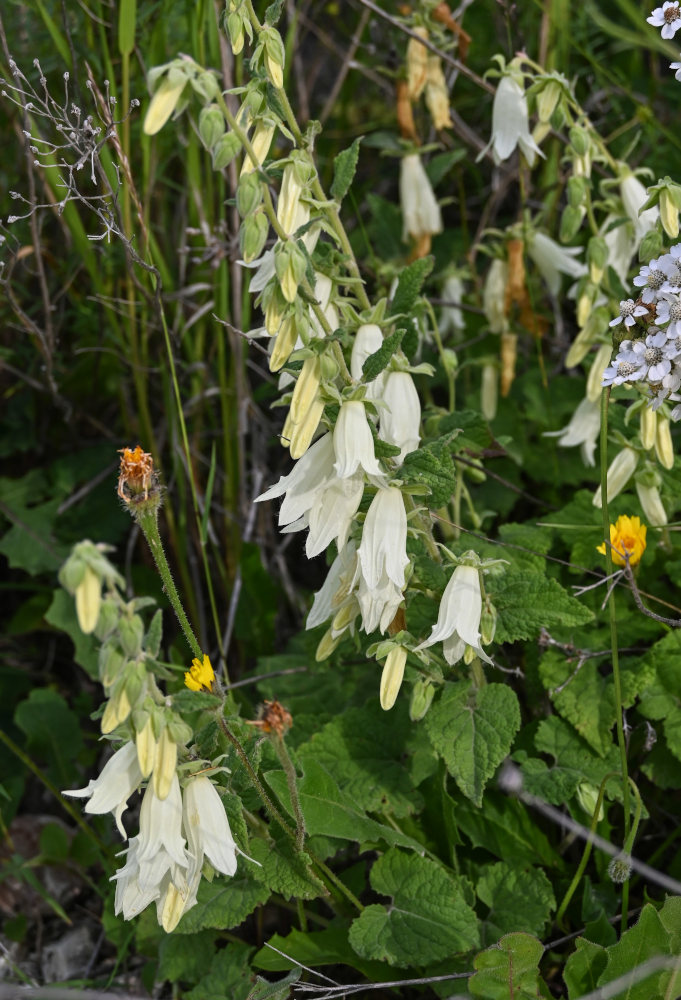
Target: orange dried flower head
[
  {"x": 137, "y": 476},
  {"x": 274, "y": 718}
]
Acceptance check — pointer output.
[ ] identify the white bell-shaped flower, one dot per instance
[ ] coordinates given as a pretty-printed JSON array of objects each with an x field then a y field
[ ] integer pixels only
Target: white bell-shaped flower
[
  {"x": 305, "y": 483},
  {"x": 634, "y": 197},
  {"x": 161, "y": 824},
  {"x": 552, "y": 260},
  {"x": 331, "y": 518},
  {"x": 120, "y": 777},
  {"x": 400, "y": 420},
  {"x": 583, "y": 429},
  {"x": 207, "y": 827},
  {"x": 382, "y": 560},
  {"x": 336, "y": 588},
  {"x": 510, "y": 123},
  {"x": 458, "y": 620},
  {"x": 420, "y": 211},
  {"x": 353, "y": 442},
  {"x": 368, "y": 340}
]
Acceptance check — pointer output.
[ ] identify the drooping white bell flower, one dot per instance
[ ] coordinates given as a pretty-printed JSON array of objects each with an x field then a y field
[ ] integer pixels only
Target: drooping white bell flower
[
  {"x": 552, "y": 260},
  {"x": 420, "y": 211},
  {"x": 634, "y": 196},
  {"x": 120, "y": 777},
  {"x": 583, "y": 429},
  {"x": 161, "y": 824},
  {"x": 451, "y": 317},
  {"x": 353, "y": 443},
  {"x": 458, "y": 620},
  {"x": 400, "y": 420},
  {"x": 368, "y": 340},
  {"x": 331, "y": 518},
  {"x": 207, "y": 827},
  {"x": 305, "y": 482},
  {"x": 336, "y": 588},
  {"x": 382, "y": 560},
  {"x": 511, "y": 123}
]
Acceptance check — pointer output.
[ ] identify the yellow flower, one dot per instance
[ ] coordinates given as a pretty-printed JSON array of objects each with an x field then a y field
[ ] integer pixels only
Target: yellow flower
[
  {"x": 200, "y": 676},
  {"x": 628, "y": 539}
]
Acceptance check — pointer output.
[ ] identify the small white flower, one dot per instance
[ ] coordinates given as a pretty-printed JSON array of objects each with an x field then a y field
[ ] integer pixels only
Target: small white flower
[
  {"x": 677, "y": 67},
  {"x": 654, "y": 278},
  {"x": 667, "y": 17},
  {"x": 420, "y": 210},
  {"x": 353, "y": 443},
  {"x": 629, "y": 312},
  {"x": 648, "y": 356},
  {"x": 382, "y": 559},
  {"x": 458, "y": 620},
  {"x": 401, "y": 419},
  {"x": 584, "y": 429},
  {"x": 669, "y": 311},
  {"x": 553, "y": 260},
  {"x": 510, "y": 123},
  {"x": 120, "y": 777},
  {"x": 207, "y": 827}
]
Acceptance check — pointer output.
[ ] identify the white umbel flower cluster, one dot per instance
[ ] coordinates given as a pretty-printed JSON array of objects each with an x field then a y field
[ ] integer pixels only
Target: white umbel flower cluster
[
  {"x": 651, "y": 354},
  {"x": 177, "y": 834}
]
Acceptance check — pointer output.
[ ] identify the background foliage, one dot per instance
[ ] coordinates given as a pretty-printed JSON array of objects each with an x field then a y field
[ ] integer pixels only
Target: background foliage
[{"x": 452, "y": 873}]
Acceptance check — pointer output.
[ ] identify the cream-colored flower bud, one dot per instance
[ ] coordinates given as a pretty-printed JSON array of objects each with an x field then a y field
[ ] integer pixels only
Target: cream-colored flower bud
[
  {"x": 274, "y": 313},
  {"x": 547, "y": 100},
  {"x": 494, "y": 296},
  {"x": 116, "y": 712},
  {"x": 164, "y": 764},
  {"x": 595, "y": 377},
  {"x": 165, "y": 100},
  {"x": 391, "y": 678},
  {"x": 88, "y": 601},
  {"x": 274, "y": 56},
  {"x": 651, "y": 502},
  {"x": 417, "y": 64},
  {"x": 669, "y": 214},
  {"x": 306, "y": 388},
  {"x": 489, "y": 391},
  {"x": 540, "y": 131},
  {"x": 648, "y": 427},
  {"x": 620, "y": 471},
  {"x": 173, "y": 907},
  {"x": 145, "y": 742},
  {"x": 284, "y": 344},
  {"x": 289, "y": 198},
  {"x": 302, "y": 433},
  {"x": 261, "y": 142},
  {"x": 664, "y": 449},
  {"x": 327, "y": 644},
  {"x": 437, "y": 95}
]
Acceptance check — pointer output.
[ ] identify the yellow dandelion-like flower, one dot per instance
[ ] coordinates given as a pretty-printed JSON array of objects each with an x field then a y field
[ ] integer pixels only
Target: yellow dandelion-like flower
[
  {"x": 627, "y": 540},
  {"x": 200, "y": 676}
]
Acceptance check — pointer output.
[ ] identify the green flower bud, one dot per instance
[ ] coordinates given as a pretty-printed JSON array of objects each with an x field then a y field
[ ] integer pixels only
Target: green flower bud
[
  {"x": 235, "y": 30},
  {"x": 576, "y": 191},
  {"x": 253, "y": 235},
  {"x": 597, "y": 258},
  {"x": 547, "y": 100},
  {"x": 579, "y": 140},
  {"x": 109, "y": 613},
  {"x": 274, "y": 55},
  {"x": 328, "y": 366},
  {"x": 587, "y": 796},
  {"x": 211, "y": 125},
  {"x": 488, "y": 623},
  {"x": 224, "y": 150},
  {"x": 131, "y": 633},
  {"x": 422, "y": 695},
  {"x": 570, "y": 223},
  {"x": 489, "y": 391},
  {"x": 248, "y": 194},
  {"x": 664, "y": 449},
  {"x": 290, "y": 263},
  {"x": 110, "y": 662}
]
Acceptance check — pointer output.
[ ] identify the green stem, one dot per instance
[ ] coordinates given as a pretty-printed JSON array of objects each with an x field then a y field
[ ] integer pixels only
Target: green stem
[
  {"x": 292, "y": 782},
  {"x": 148, "y": 522},
  {"x": 605, "y": 399},
  {"x": 587, "y": 850}
]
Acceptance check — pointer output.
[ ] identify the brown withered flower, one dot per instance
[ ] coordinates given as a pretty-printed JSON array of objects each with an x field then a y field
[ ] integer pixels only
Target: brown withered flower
[
  {"x": 137, "y": 475},
  {"x": 273, "y": 718}
]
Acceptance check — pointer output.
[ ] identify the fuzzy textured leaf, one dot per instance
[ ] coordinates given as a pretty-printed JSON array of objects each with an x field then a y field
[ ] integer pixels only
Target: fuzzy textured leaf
[
  {"x": 527, "y": 602},
  {"x": 344, "y": 167},
  {"x": 376, "y": 362},
  {"x": 410, "y": 284},
  {"x": 428, "y": 920},
  {"x": 647, "y": 939},
  {"x": 473, "y": 730},
  {"x": 433, "y": 467},
  {"x": 508, "y": 969},
  {"x": 223, "y": 903},
  {"x": 517, "y": 900}
]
